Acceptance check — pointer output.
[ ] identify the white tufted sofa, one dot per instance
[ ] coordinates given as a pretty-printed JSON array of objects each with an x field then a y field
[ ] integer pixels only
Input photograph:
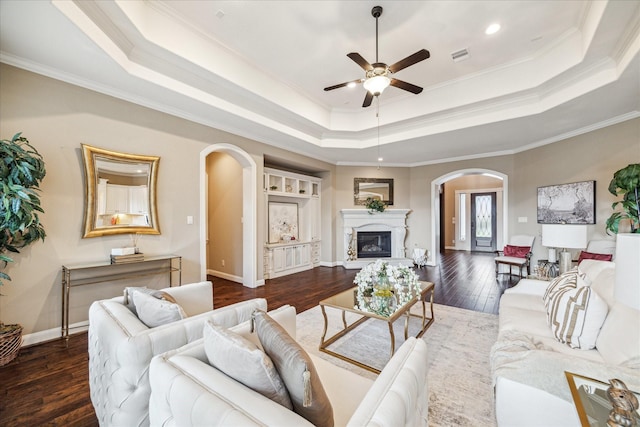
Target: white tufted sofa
[
  {"x": 528, "y": 363},
  {"x": 121, "y": 348},
  {"x": 187, "y": 391}
]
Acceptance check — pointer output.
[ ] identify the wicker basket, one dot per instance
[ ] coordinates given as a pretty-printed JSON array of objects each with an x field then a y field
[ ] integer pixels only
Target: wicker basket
[{"x": 10, "y": 342}]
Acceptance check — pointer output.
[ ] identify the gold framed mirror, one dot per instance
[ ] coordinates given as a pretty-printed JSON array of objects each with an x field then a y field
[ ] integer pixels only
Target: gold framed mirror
[
  {"x": 120, "y": 193},
  {"x": 375, "y": 188}
]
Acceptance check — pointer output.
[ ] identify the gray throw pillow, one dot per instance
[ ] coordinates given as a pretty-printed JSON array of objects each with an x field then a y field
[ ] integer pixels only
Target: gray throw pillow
[
  {"x": 296, "y": 370},
  {"x": 154, "y": 311},
  {"x": 240, "y": 359},
  {"x": 128, "y": 300}
]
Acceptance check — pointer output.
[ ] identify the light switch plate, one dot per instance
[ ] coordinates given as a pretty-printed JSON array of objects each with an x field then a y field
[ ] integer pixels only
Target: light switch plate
[{"x": 523, "y": 219}]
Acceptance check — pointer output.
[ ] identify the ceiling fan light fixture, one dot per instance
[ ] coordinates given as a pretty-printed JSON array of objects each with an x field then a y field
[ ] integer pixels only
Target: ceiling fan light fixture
[
  {"x": 377, "y": 84},
  {"x": 492, "y": 29}
]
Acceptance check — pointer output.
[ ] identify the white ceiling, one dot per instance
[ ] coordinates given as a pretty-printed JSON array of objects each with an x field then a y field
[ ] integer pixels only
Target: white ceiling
[{"x": 258, "y": 69}]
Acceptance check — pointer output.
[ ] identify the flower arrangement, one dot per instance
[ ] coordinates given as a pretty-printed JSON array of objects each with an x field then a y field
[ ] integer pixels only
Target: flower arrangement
[
  {"x": 380, "y": 280},
  {"x": 374, "y": 205}
]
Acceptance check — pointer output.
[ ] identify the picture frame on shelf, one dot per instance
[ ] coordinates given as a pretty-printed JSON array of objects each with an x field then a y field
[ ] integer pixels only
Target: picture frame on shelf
[
  {"x": 283, "y": 222},
  {"x": 572, "y": 203}
]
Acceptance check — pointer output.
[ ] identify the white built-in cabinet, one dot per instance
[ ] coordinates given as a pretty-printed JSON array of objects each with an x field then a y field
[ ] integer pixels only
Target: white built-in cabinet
[
  {"x": 129, "y": 201},
  {"x": 126, "y": 199},
  {"x": 288, "y": 257}
]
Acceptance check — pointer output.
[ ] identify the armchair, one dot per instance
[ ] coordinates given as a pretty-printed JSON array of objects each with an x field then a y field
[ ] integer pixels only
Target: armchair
[
  {"x": 517, "y": 253},
  {"x": 121, "y": 348},
  {"x": 603, "y": 250}
]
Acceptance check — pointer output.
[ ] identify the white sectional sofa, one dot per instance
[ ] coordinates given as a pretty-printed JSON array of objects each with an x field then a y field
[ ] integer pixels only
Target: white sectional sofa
[
  {"x": 187, "y": 391},
  {"x": 528, "y": 362},
  {"x": 121, "y": 347}
]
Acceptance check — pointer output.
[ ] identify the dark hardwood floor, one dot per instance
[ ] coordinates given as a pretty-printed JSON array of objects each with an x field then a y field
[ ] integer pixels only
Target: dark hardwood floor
[{"x": 47, "y": 385}]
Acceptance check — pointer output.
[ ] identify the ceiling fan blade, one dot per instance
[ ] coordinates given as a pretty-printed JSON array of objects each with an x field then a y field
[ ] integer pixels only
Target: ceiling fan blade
[
  {"x": 343, "y": 84},
  {"x": 360, "y": 61},
  {"x": 367, "y": 99},
  {"x": 420, "y": 55},
  {"x": 406, "y": 86}
]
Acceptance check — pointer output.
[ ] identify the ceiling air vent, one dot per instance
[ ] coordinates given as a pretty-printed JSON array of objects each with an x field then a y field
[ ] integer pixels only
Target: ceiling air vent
[{"x": 460, "y": 55}]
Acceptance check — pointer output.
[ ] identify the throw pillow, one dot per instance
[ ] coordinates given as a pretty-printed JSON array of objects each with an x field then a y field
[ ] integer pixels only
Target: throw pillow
[
  {"x": 576, "y": 316},
  {"x": 565, "y": 280},
  {"x": 296, "y": 370},
  {"x": 516, "y": 251},
  {"x": 243, "y": 361},
  {"x": 590, "y": 255},
  {"x": 128, "y": 300},
  {"x": 154, "y": 311}
]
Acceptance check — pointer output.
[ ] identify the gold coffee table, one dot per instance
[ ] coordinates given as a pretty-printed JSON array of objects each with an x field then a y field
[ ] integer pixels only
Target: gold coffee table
[{"x": 347, "y": 301}]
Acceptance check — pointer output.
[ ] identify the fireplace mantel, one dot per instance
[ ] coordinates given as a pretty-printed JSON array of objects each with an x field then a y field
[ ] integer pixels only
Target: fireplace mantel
[{"x": 394, "y": 220}]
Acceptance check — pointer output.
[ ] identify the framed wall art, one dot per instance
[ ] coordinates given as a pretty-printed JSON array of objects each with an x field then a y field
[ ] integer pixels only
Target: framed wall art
[
  {"x": 283, "y": 222},
  {"x": 573, "y": 203}
]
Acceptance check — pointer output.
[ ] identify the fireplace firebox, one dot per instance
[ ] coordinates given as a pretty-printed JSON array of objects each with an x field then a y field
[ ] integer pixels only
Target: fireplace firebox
[{"x": 374, "y": 244}]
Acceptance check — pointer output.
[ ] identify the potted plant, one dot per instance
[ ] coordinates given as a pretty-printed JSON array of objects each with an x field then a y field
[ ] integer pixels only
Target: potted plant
[
  {"x": 626, "y": 182},
  {"x": 21, "y": 171},
  {"x": 374, "y": 205}
]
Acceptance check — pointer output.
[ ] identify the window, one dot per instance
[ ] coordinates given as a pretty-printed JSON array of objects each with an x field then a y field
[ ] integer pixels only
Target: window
[{"x": 462, "y": 215}]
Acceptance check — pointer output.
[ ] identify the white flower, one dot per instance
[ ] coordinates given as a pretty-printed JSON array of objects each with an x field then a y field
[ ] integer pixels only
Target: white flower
[{"x": 401, "y": 277}]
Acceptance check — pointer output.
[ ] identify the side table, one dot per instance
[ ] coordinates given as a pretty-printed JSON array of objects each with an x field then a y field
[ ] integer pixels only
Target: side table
[
  {"x": 104, "y": 271},
  {"x": 546, "y": 269}
]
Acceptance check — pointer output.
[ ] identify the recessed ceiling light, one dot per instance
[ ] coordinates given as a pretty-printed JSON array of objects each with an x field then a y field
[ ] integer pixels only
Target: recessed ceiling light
[
  {"x": 492, "y": 29},
  {"x": 380, "y": 159},
  {"x": 351, "y": 84}
]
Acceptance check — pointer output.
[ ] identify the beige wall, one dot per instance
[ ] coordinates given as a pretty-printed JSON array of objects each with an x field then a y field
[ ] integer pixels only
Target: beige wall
[
  {"x": 595, "y": 156},
  {"x": 224, "y": 237},
  {"x": 58, "y": 117}
]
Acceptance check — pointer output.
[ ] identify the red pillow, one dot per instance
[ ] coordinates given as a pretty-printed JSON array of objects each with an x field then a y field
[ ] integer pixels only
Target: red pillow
[
  {"x": 516, "y": 251},
  {"x": 591, "y": 255}
]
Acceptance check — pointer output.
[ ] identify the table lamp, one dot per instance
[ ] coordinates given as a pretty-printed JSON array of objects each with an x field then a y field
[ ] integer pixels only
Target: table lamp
[{"x": 565, "y": 236}]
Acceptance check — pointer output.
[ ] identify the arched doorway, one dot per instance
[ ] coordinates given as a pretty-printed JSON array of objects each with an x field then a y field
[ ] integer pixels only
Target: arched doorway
[
  {"x": 249, "y": 216},
  {"x": 435, "y": 204}
]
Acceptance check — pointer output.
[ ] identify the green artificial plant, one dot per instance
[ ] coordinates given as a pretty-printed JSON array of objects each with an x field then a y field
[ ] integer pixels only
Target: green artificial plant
[
  {"x": 626, "y": 182},
  {"x": 374, "y": 205},
  {"x": 21, "y": 171}
]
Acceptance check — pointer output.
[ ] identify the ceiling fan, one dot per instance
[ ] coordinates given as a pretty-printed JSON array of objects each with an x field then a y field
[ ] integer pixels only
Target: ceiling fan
[{"x": 378, "y": 74}]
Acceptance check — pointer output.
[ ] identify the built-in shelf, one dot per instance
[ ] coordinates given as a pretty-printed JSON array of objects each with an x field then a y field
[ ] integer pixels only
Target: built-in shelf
[
  {"x": 303, "y": 253},
  {"x": 291, "y": 184}
]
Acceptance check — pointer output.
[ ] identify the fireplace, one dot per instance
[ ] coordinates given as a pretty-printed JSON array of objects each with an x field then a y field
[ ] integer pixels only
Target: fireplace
[
  {"x": 370, "y": 236},
  {"x": 374, "y": 244}
]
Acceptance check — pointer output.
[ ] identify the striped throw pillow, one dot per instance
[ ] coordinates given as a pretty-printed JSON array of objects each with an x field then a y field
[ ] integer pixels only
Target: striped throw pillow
[
  {"x": 576, "y": 315},
  {"x": 565, "y": 280}
]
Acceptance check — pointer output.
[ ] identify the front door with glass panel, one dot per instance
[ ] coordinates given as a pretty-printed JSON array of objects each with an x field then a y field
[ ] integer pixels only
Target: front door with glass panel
[{"x": 483, "y": 222}]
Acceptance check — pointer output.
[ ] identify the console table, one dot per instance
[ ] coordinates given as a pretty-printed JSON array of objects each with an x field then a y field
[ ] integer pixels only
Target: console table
[{"x": 104, "y": 271}]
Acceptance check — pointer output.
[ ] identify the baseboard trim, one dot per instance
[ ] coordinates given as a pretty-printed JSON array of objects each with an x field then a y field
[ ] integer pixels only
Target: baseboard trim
[
  {"x": 52, "y": 334},
  {"x": 226, "y": 276}
]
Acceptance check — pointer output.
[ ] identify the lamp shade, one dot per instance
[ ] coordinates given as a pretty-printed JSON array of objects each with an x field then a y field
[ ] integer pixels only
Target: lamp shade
[
  {"x": 376, "y": 84},
  {"x": 627, "y": 285},
  {"x": 564, "y": 236}
]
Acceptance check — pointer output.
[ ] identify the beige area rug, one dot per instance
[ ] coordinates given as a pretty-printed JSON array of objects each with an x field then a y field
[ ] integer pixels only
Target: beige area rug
[{"x": 459, "y": 341}]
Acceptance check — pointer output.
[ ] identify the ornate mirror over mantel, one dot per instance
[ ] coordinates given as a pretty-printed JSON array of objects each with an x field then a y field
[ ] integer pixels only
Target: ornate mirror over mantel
[
  {"x": 375, "y": 188},
  {"x": 120, "y": 193}
]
